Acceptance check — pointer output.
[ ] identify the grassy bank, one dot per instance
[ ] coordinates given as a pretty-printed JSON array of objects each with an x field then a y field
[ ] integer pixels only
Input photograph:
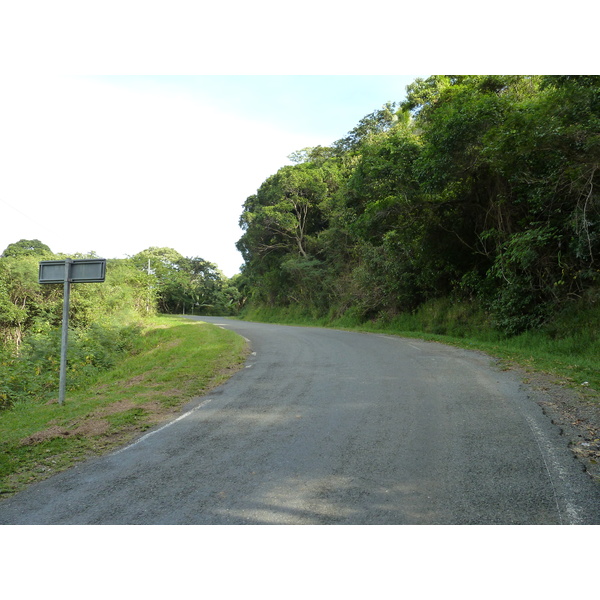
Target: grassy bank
[
  {"x": 173, "y": 361},
  {"x": 568, "y": 346}
]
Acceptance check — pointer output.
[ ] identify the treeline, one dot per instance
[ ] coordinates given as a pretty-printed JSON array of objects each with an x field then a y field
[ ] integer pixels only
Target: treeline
[
  {"x": 184, "y": 285},
  {"x": 105, "y": 319},
  {"x": 480, "y": 189}
]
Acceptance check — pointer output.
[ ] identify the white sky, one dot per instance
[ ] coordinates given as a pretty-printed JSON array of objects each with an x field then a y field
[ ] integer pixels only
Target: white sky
[{"x": 119, "y": 164}]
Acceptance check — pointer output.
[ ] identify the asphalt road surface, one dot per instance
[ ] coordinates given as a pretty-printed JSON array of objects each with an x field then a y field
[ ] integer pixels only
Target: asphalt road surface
[{"x": 334, "y": 427}]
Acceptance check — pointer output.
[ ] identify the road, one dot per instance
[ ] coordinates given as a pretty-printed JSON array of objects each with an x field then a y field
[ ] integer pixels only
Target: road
[{"x": 335, "y": 427}]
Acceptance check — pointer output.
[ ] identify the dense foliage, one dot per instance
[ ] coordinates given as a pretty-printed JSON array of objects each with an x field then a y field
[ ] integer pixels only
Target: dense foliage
[
  {"x": 183, "y": 284},
  {"x": 105, "y": 319},
  {"x": 475, "y": 188}
]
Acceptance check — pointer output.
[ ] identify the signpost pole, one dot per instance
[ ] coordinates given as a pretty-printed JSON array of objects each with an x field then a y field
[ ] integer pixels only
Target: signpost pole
[
  {"x": 65, "y": 333},
  {"x": 69, "y": 271}
]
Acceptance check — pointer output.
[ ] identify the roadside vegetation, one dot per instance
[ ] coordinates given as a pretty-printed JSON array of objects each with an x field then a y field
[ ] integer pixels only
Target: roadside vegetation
[
  {"x": 105, "y": 319},
  {"x": 479, "y": 189},
  {"x": 128, "y": 368},
  {"x": 170, "y": 362}
]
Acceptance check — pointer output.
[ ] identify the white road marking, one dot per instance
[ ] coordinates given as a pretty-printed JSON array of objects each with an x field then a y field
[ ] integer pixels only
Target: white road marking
[
  {"x": 187, "y": 414},
  {"x": 546, "y": 450}
]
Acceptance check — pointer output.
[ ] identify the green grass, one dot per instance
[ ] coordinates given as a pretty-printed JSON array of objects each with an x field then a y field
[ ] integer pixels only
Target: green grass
[{"x": 173, "y": 361}]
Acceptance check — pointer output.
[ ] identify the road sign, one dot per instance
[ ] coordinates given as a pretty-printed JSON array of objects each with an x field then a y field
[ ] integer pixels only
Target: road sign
[
  {"x": 87, "y": 270},
  {"x": 68, "y": 271}
]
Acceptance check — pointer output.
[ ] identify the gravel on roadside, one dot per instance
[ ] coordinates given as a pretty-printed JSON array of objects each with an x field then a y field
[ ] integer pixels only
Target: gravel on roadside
[{"x": 575, "y": 410}]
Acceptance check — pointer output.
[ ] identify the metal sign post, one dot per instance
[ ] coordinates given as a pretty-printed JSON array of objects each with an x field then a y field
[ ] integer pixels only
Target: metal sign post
[
  {"x": 69, "y": 271},
  {"x": 62, "y": 386}
]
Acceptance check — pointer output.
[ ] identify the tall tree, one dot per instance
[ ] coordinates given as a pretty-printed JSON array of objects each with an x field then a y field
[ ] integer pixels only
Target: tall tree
[
  {"x": 480, "y": 186},
  {"x": 26, "y": 248}
]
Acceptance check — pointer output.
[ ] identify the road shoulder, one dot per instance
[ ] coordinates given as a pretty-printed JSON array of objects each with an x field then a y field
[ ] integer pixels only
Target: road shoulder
[{"x": 575, "y": 412}]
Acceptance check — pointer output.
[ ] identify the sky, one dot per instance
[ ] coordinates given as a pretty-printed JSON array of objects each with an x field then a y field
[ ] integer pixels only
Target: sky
[{"x": 117, "y": 164}]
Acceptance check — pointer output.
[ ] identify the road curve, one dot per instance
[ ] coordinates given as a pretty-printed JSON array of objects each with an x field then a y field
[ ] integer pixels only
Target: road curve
[{"x": 335, "y": 427}]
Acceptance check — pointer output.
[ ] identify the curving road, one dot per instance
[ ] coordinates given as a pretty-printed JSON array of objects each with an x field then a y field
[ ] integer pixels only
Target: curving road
[{"x": 334, "y": 427}]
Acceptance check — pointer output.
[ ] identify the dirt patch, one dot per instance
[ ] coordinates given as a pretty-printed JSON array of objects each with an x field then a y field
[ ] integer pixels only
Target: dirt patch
[
  {"x": 575, "y": 411},
  {"x": 97, "y": 425},
  {"x": 92, "y": 427},
  {"x": 115, "y": 407},
  {"x": 155, "y": 411},
  {"x": 46, "y": 434},
  {"x": 158, "y": 412},
  {"x": 135, "y": 380},
  {"x": 89, "y": 428}
]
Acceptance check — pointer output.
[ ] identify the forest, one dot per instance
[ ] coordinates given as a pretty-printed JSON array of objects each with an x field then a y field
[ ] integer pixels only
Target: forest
[
  {"x": 475, "y": 191},
  {"x": 105, "y": 319}
]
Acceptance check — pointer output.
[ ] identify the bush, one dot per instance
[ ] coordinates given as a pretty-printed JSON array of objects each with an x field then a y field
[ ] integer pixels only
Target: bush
[{"x": 33, "y": 374}]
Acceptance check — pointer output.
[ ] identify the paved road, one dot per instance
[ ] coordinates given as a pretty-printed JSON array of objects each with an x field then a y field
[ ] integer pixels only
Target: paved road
[{"x": 334, "y": 427}]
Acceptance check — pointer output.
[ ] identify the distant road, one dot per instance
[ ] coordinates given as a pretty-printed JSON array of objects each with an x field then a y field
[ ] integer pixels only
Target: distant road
[{"x": 334, "y": 427}]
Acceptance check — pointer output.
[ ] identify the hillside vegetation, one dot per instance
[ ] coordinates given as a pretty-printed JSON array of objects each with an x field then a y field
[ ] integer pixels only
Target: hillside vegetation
[
  {"x": 476, "y": 198},
  {"x": 106, "y": 319}
]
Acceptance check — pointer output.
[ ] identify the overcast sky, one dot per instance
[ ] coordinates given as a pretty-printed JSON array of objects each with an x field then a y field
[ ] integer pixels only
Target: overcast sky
[{"x": 118, "y": 164}]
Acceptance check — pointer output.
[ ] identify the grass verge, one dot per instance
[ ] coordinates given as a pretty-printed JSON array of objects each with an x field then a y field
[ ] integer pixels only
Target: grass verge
[{"x": 173, "y": 361}]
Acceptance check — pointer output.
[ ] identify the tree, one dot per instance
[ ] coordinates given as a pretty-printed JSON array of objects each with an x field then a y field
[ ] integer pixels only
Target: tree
[
  {"x": 318, "y": 155},
  {"x": 286, "y": 213},
  {"x": 26, "y": 248},
  {"x": 181, "y": 283},
  {"x": 377, "y": 122},
  {"x": 480, "y": 187},
  {"x": 282, "y": 226}
]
